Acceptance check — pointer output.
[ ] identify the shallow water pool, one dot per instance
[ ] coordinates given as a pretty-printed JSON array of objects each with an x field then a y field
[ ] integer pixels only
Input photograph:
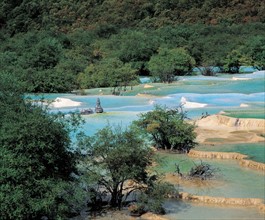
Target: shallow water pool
[
  {"x": 231, "y": 179},
  {"x": 192, "y": 211},
  {"x": 255, "y": 151}
]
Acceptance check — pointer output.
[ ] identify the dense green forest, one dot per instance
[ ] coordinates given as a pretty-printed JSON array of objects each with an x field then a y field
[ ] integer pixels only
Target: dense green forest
[
  {"x": 58, "y": 46},
  {"x": 64, "y": 45}
]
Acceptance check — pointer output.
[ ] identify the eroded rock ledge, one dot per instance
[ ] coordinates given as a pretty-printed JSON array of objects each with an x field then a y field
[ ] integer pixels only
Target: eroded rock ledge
[
  {"x": 216, "y": 129},
  {"x": 226, "y": 155},
  {"x": 221, "y": 200},
  {"x": 239, "y": 123},
  {"x": 216, "y": 155},
  {"x": 225, "y": 201}
]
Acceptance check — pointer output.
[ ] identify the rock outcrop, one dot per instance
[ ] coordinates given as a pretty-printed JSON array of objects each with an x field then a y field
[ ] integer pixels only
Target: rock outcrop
[{"x": 98, "y": 108}]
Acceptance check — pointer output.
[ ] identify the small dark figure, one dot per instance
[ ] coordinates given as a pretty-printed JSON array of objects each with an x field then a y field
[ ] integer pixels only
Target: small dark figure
[
  {"x": 237, "y": 122},
  {"x": 98, "y": 108},
  {"x": 178, "y": 170},
  {"x": 86, "y": 111}
]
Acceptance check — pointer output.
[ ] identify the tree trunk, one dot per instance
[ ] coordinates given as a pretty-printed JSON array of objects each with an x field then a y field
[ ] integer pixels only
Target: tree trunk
[{"x": 114, "y": 198}]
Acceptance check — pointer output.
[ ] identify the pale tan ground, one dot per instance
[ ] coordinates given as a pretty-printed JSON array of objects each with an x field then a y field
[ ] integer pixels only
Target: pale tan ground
[
  {"x": 222, "y": 200},
  {"x": 236, "y": 78},
  {"x": 220, "y": 129},
  {"x": 146, "y": 95},
  {"x": 124, "y": 216},
  {"x": 146, "y": 86}
]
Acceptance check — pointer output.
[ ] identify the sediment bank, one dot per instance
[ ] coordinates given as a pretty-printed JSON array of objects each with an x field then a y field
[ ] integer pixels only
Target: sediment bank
[
  {"x": 262, "y": 208},
  {"x": 252, "y": 164},
  {"x": 226, "y": 155},
  {"x": 236, "y": 123},
  {"x": 152, "y": 216},
  {"x": 216, "y": 129},
  {"x": 216, "y": 155},
  {"x": 225, "y": 201},
  {"x": 222, "y": 200}
]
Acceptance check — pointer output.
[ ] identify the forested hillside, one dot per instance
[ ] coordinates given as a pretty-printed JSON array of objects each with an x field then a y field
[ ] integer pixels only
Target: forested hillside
[
  {"x": 49, "y": 168},
  {"x": 25, "y": 15},
  {"x": 58, "y": 46}
]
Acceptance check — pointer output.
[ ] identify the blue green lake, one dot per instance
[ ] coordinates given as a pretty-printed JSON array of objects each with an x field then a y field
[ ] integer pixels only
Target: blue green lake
[
  {"x": 240, "y": 95},
  {"x": 255, "y": 151}
]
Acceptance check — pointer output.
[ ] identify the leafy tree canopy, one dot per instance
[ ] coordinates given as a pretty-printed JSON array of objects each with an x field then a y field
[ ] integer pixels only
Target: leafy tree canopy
[
  {"x": 168, "y": 129},
  {"x": 47, "y": 44},
  {"x": 110, "y": 72},
  {"x": 234, "y": 60},
  {"x": 113, "y": 157},
  {"x": 255, "y": 49},
  {"x": 37, "y": 163},
  {"x": 169, "y": 63}
]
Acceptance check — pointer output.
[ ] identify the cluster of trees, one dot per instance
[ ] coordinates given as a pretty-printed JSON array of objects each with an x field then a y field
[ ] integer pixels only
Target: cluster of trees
[
  {"x": 65, "y": 45},
  {"x": 43, "y": 175},
  {"x": 24, "y": 15},
  {"x": 168, "y": 129},
  {"x": 37, "y": 164},
  {"x": 60, "y": 62}
]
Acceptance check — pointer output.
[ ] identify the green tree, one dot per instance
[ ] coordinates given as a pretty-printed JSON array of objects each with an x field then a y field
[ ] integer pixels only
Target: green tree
[
  {"x": 170, "y": 63},
  {"x": 152, "y": 197},
  {"x": 168, "y": 129},
  {"x": 234, "y": 60},
  {"x": 37, "y": 163},
  {"x": 113, "y": 157},
  {"x": 255, "y": 48},
  {"x": 109, "y": 72},
  {"x": 129, "y": 46}
]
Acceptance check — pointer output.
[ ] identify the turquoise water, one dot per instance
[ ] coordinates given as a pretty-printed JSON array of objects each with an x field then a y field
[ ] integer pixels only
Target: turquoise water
[
  {"x": 97, "y": 121},
  {"x": 236, "y": 83},
  {"x": 253, "y": 111},
  {"x": 238, "y": 97},
  {"x": 217, "y": 85},
  {"x": 234, "y": 181},
  {"x": 255, "y": 151},
  {"x": 222, "y": 93},
  {"x": 192, "y": 211},
  {"x": 231, "y": 179}
]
